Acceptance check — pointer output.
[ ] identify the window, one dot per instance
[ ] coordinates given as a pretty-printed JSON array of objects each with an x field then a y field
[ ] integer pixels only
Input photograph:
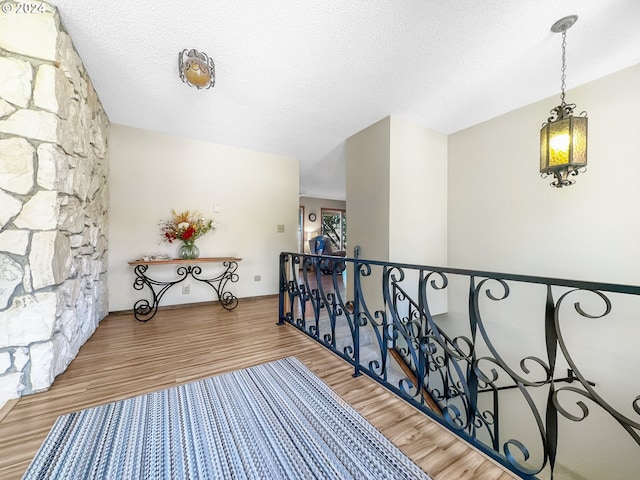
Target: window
[{"x": 334, "y": 226}]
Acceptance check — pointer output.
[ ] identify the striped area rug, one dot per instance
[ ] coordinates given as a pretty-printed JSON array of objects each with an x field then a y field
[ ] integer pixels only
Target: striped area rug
[{"x": 273, "y": 421}]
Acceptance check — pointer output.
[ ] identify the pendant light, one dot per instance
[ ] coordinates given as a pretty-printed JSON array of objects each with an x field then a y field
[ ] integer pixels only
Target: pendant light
[{"x": 563, "y": 137}]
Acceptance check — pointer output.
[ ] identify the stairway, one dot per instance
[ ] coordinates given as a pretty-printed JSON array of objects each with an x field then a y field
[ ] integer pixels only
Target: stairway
[{"x": 369, "y": 347}]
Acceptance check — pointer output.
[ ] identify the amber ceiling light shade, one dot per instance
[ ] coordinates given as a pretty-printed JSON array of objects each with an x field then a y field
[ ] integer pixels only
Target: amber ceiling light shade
[
  {"x": 196, "y": 69},
  {"x": 563, "y": 137}
]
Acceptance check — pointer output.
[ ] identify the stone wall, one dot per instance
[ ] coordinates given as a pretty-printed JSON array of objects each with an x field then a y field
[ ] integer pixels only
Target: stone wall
[{"x": 53, "y": 201}]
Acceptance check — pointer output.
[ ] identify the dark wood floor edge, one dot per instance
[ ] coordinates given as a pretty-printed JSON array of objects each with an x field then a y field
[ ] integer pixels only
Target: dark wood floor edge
[{"x": 197, "y": 304}]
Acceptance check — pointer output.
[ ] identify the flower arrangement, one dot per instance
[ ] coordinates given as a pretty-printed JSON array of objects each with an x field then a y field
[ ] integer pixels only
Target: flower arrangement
[{"x": 186, "y": 226}]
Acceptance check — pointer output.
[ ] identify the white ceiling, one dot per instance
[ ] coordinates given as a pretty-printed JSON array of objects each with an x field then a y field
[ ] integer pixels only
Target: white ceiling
[{"x": 298, "y": 77}]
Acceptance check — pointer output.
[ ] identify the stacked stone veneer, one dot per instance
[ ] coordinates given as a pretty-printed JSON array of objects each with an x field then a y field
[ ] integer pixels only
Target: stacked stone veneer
[{"x": 53, "y": 202}]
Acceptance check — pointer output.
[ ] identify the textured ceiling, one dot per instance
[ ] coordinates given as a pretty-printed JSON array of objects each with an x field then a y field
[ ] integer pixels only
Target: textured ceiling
[{"x": 298, "y": 77}]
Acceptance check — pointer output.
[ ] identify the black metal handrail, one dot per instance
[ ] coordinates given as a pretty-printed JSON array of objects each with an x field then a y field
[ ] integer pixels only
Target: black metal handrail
[{"x": 485, "y": 346}]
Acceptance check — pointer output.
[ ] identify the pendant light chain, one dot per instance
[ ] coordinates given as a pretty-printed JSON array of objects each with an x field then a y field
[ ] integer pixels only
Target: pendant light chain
[
  {"x": 564, "y": 67},
  {"x": 563, "y": 137}
]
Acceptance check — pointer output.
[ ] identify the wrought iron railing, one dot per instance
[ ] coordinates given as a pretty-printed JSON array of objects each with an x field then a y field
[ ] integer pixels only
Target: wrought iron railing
[{"x": 538, "y": 373}]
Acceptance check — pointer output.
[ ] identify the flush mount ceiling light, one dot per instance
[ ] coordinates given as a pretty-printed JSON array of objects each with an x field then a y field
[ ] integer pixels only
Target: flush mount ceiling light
[
  {"x": 196, "y": 69},
  {"x": 563, "y": 138}
]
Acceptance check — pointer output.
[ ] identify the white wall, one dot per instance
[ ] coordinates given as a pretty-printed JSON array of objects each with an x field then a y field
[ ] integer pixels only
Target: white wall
[
  {"x": 153, "y": 173},
  {"x": 503, "y": 217}
]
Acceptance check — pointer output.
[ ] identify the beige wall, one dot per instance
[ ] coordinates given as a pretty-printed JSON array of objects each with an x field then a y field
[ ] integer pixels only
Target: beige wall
[
  {"x": 418, "y": 204},
  {"x": 396, "y": 195},
  {"x": 367, "y": 168},
  {"x": 418, "y": 200},
  {"x": 397, "y": 192},
  {"x": 153, "y": 173},
  {"x": 368, "y": 189},
  {"x": 504, "y": 217}
]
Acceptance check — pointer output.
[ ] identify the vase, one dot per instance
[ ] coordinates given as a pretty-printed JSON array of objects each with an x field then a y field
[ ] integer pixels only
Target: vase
[{"x": 189, "y": 251}]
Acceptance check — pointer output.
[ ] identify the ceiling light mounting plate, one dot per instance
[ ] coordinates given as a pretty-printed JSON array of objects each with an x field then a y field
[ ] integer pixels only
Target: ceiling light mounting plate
[{"x": 564, "y": 24}]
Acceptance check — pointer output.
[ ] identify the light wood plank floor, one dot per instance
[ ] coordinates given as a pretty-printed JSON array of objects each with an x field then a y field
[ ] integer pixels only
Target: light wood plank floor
[{"x": 125, "y": 358}]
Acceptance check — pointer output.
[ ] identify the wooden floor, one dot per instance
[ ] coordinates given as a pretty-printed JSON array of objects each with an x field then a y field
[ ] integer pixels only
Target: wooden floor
[{"x": 125, "y": 358}]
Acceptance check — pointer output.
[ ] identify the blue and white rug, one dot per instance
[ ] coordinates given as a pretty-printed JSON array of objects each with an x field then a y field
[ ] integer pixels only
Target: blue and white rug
[{"x": 273, "y": 421}]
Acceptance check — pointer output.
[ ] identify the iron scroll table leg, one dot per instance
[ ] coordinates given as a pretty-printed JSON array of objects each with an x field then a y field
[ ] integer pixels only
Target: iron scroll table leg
[
  {"x": 144, "y": 310},
  {"x": 227, "y": 299}
]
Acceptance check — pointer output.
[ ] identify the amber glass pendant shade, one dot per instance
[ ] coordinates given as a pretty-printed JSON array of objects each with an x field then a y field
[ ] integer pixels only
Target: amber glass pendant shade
[{"x": 563, "y": 144}]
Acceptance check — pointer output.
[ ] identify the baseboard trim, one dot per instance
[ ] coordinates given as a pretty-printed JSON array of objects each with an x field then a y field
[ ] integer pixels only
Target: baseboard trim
[{"x": 197, "y": 304}]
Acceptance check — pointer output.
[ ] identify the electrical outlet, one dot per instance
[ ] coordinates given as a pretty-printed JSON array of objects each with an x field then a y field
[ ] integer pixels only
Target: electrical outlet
[
  {"x": 186, "y": 289},
  {"x": 257, "y": 278},
  {"x": 280, "y": 228}
]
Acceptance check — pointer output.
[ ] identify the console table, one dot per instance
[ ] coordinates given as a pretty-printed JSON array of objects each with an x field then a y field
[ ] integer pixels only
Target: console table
[{"x": 144, "y": 311}]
